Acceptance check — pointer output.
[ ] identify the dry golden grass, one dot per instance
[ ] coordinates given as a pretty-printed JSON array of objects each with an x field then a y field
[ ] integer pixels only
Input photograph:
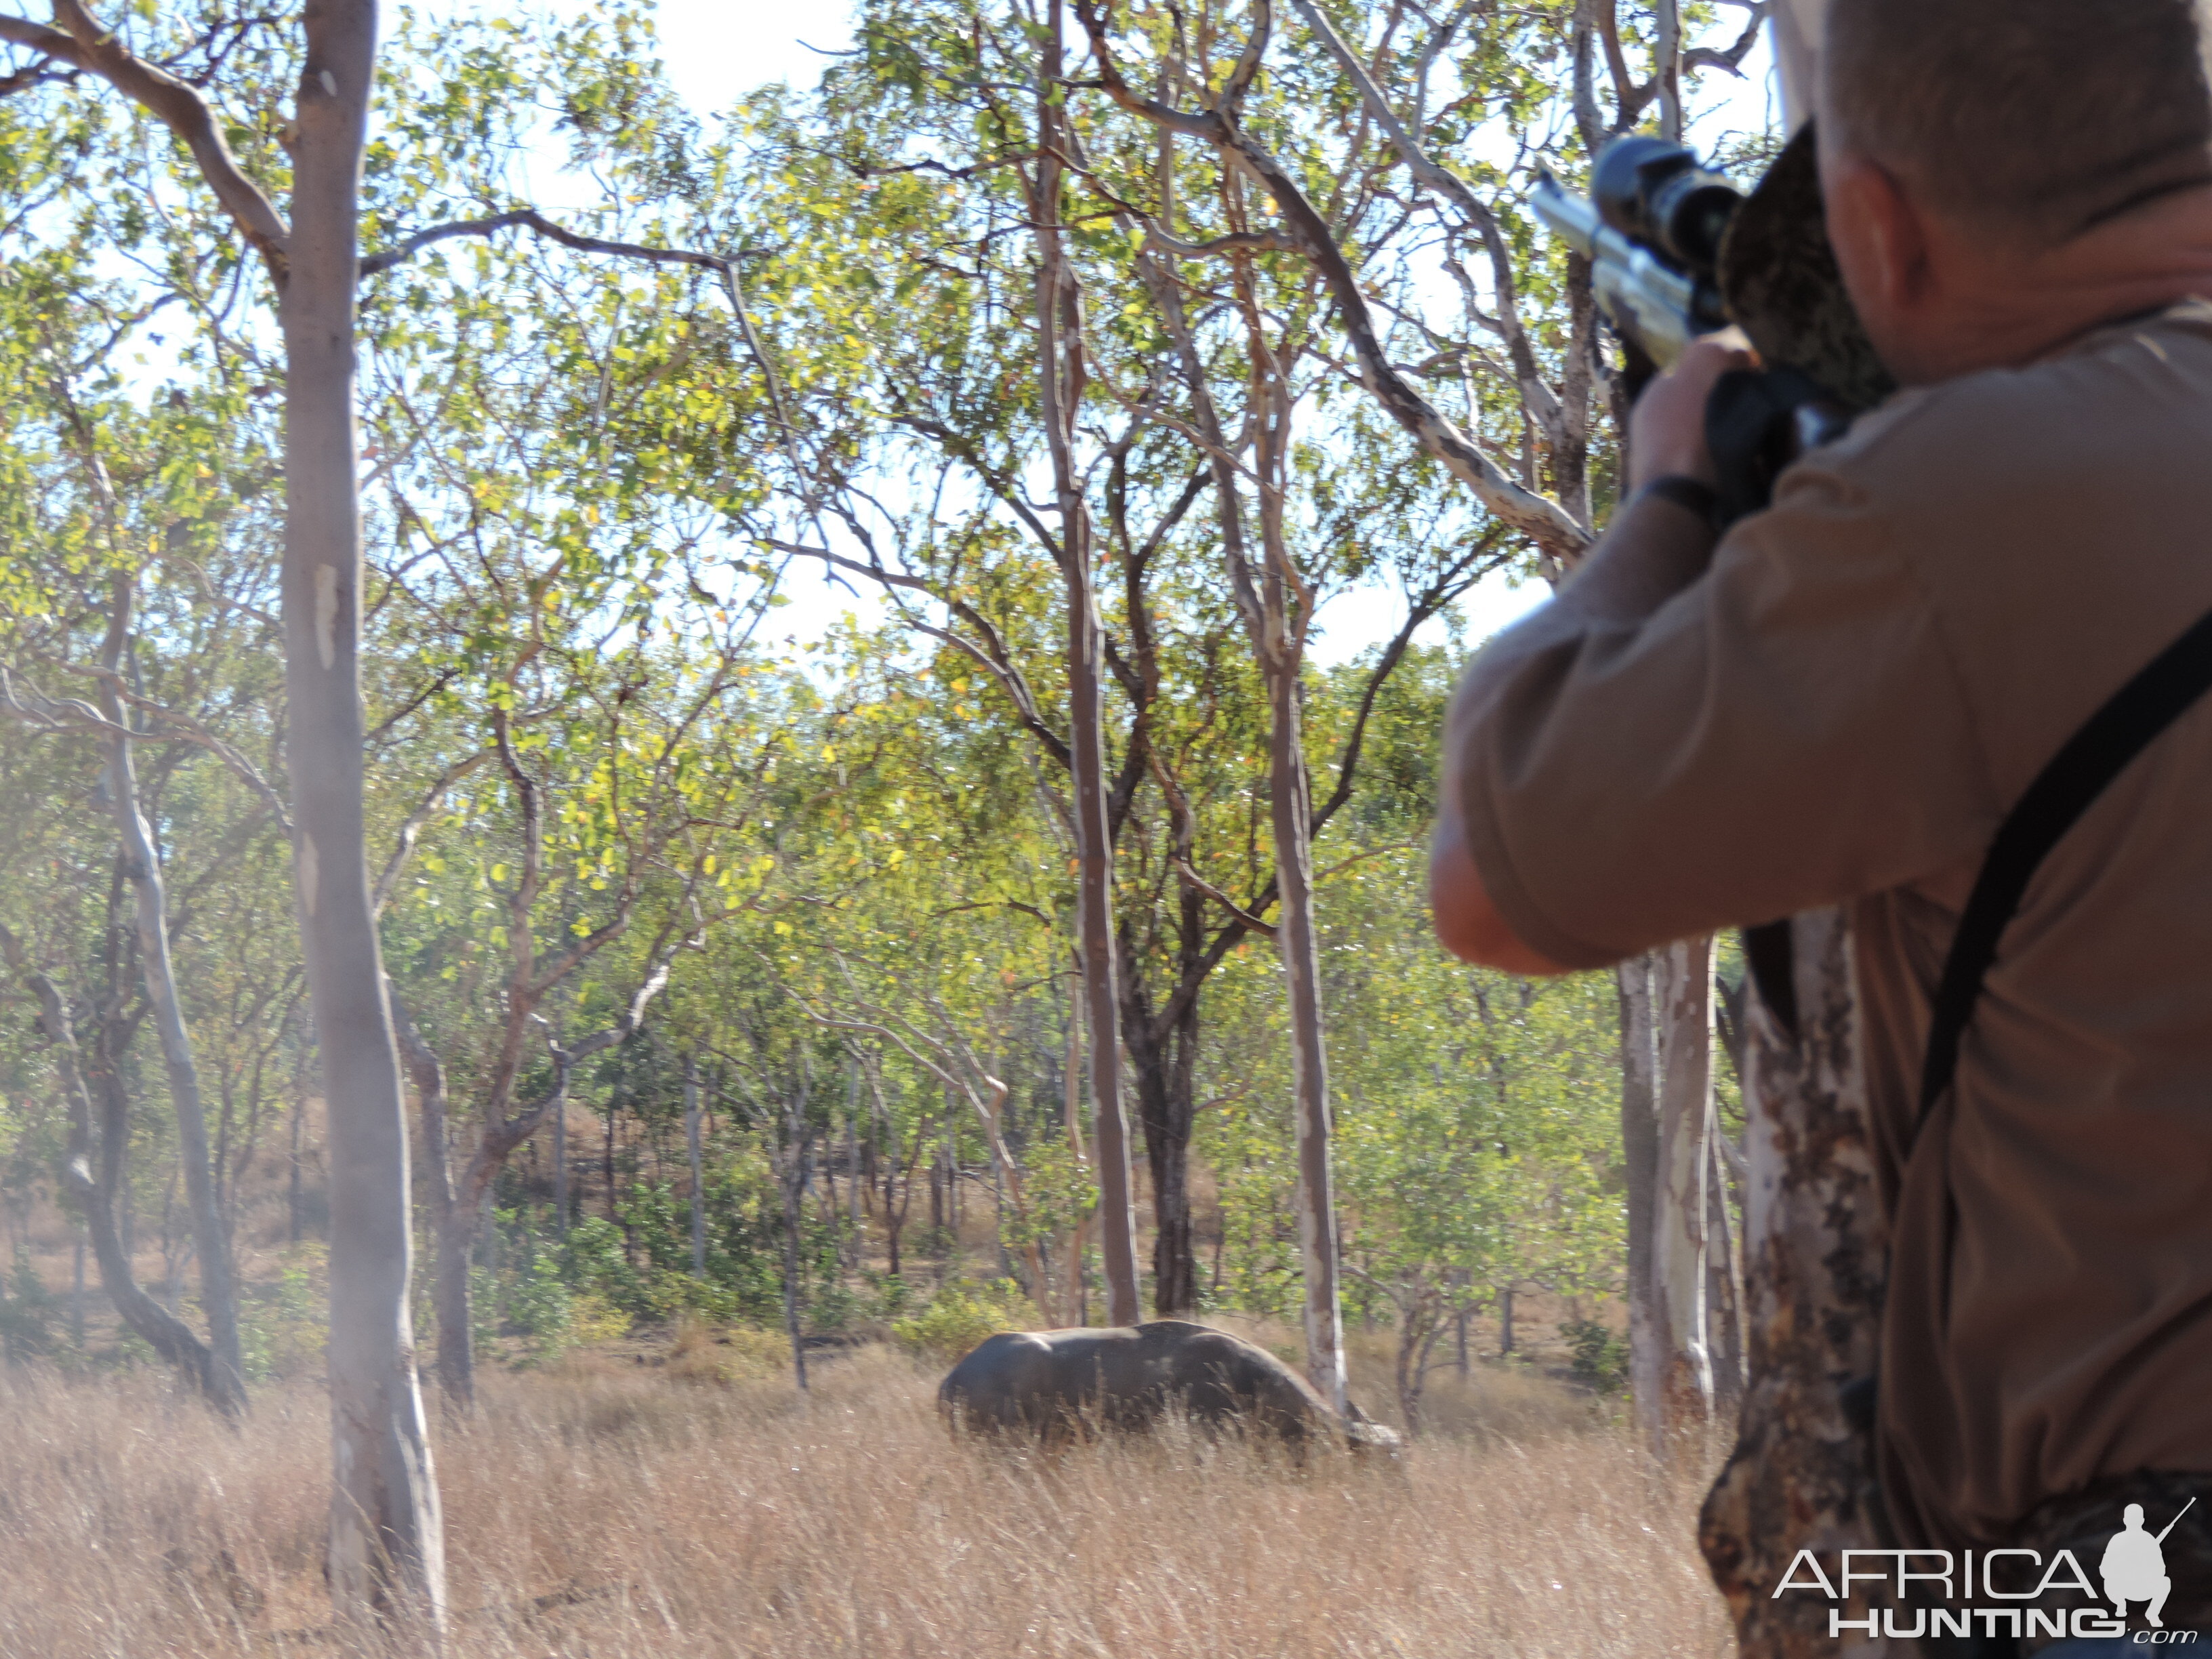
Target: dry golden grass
[{"x": 708, "y": 1517}]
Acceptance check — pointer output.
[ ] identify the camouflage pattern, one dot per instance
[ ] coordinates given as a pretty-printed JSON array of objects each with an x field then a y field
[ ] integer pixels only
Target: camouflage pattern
[{"x": 1778, "y": 277}]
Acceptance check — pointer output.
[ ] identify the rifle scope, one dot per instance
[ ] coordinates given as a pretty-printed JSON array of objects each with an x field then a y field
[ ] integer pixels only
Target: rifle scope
[{"x": 1658, "y": 194}]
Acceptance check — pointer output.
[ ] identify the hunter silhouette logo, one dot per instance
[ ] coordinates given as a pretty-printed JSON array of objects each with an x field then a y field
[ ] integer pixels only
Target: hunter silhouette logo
[{"x": 2134, "y": 1568}]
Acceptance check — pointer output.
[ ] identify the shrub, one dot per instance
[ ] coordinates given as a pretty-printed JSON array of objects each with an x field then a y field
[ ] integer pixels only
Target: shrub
[
  {"x": 282, "y": 1329},
  {"x": 540, "y": 1310},
  {"x": 739, "y": 1353},
  {"x": 1601, "y": 1354},
  {"x": 962, "y": 1315},
  {"x": 27, "y": 1319},
  {"x": 593, "y": 1318}
]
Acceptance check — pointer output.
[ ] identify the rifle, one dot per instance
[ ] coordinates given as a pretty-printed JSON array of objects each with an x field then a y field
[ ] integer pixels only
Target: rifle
[
  {"x": 1678, "y": 252},
  {"x": 1651, "y": 228}
]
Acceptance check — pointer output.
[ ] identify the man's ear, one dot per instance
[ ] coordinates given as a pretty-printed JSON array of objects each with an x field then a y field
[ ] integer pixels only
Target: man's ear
[{"x": 1881, "y": 240}]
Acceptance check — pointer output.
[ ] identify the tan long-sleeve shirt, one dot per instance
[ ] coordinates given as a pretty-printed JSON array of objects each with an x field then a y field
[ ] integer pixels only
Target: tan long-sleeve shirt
[{"x": 1841, "y": 708}]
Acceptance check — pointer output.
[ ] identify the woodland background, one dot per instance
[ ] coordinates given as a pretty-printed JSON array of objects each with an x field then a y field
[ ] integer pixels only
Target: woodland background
[{"x": 739, "y": 982}]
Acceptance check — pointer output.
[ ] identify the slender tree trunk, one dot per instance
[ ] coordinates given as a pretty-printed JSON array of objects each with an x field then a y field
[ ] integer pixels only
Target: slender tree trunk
[
  {"x": 698, "y": 1182},
  {"x": 142, "y": 860},
  {"x": 1723, "y": 1289},
  {"x": 1295, "y": 936},
  {"x": 561, "y": 1175},
  {"x": 937, "y": 1194},
  {"x": 894, "y": 1213},
  {"x": 610, "y": 1160},
  {"x": 1408, "y": 1372},
  {"x": 855, "y": 1184},
  {"x": 1667, "y": 64},
  {"x": 1164, "y": 1088},
  {"x": 449, "y": 1284},
  {"x": 292, "y": 1195},
  {"x": 1639, "y": 1137},
  {"x": 170, "y": 1337},
  {"x": 998, "y": 1230},
  {"x": 387, "y": 1549},
  {"x": 76, "y": 1292},
  {"x": 1504, "y": 1326},
  {"x": 1062, "y": 379},
  {"x": 1684, "y": 1001},
  {"x": 793, "y": 1180},
  {"x": 1077, "y": 1313}
]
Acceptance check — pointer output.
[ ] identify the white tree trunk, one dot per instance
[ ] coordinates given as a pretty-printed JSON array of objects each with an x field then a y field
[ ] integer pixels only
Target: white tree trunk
[
  {"x": 698, "y": 1185},
  {"x": 1639, "y": 1140},
  {"x": 1684, "y": 987},
  {"x": 387, "y": 1555},
  {"x": 142, "y": 859},
  {"x": 1061, "y": 382},
  {"x": 1295, "y": 938},
  {"x": 1667, "y": 65}
]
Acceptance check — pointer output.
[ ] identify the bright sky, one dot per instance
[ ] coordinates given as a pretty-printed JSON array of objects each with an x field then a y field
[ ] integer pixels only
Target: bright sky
[{"x": 714, "y": 50}]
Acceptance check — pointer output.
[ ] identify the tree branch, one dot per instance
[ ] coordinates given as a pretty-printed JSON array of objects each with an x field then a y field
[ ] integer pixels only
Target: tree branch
[
  {"x": 87, "y": 47},
  {"x": 1537, "y": 516},
  {"x": 531, "y": 220},
  {"x": 1535, "y": 397},
  {"x": 1200, "y": 883}
]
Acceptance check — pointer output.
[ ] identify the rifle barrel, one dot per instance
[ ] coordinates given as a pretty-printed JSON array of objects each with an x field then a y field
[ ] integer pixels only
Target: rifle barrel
[{"x": 2176, "y": 1522}]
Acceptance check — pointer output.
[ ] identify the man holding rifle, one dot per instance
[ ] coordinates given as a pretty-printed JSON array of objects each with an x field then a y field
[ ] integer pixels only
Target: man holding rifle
[{"x": 1989, "y": 592}]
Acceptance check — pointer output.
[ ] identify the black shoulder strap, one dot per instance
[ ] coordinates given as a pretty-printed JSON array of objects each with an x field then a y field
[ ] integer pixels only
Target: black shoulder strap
[{"x": 2061, "y": 791}]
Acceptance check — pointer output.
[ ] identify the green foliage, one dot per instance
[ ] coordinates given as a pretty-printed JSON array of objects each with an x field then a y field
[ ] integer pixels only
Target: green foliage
[
  {"x": 595, "y": 761},
  {"x": 27, "y": 1315},
  {"x": 1601, "y": 1354},
  {"x": 961, "y": 1315},
  {"x": 283, "y": 1327}
]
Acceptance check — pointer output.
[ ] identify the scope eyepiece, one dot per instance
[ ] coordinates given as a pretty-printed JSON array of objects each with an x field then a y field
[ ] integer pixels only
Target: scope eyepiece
[{"x": 1660, "y": 194}]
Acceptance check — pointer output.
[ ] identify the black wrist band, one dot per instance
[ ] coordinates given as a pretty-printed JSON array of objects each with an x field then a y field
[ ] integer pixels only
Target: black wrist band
[{"x": 1685, "y": 492}]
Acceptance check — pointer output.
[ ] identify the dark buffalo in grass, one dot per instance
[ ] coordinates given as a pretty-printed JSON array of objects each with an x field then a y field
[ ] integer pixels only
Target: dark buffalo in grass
[{"x": 1058, "y": 1385}]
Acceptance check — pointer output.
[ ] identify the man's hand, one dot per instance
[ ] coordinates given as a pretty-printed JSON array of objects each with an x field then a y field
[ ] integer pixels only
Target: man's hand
[
  {"x": 1467, "y": 923},
  {"x": 1667, "y": 428}
]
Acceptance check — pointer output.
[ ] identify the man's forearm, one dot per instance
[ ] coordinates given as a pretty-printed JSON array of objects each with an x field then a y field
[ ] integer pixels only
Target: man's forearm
[{"x": 1655, "y": 549}]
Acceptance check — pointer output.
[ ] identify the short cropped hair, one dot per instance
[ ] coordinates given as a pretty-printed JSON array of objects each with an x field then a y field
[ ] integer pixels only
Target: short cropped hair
[{"x": 2040, "y": 118}]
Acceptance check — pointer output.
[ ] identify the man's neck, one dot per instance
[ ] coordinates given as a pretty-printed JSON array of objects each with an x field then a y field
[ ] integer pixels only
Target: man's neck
[{"x": 2004, "y": 309}]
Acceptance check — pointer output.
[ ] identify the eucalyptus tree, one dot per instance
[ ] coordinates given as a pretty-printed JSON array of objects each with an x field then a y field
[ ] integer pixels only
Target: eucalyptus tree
[
  {"x": 584, "y": 768},
  {"x": 387, "y": 1547},
  {"x": 548, "y": 897},
  {"x": 1411, "y": 86},
  {"x": 155, "y": 663},
  {"x": 955, "y": 205}
]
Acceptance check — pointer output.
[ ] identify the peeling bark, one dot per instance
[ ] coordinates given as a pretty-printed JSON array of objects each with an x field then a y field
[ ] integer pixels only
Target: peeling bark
[{"x": 1801, "y": 1476}]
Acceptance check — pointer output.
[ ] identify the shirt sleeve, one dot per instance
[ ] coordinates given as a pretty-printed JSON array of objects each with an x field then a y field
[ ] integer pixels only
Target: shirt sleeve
[{"x": 1787, "y": 731}]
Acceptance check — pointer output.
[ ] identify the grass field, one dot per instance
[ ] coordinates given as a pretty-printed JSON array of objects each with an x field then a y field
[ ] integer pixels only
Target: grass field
[{"x": 619, "y": 1508}]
